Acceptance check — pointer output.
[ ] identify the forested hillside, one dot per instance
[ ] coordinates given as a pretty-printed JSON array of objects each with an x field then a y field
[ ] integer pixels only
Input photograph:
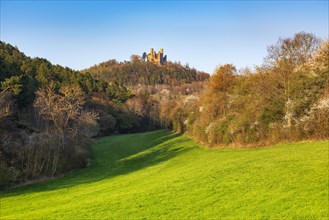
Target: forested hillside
[
  {"x": 138, "y": 72},
  {"x": 48, "y": 114}
]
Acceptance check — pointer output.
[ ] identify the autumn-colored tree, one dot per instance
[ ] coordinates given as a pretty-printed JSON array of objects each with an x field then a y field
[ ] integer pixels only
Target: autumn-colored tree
[{"x": 221, "y": 80}]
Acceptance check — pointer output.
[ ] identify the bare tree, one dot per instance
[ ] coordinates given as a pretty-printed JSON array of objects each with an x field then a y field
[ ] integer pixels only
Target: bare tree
[
  {"x": 63, "y": 110},
  {"x": 293, "y": 51}
]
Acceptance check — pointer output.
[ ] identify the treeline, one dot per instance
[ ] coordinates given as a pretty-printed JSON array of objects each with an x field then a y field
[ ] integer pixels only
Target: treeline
[
  {"x": 48, "y": 115},
  {"x": 285, "y": 99},
  {"x": 138, "y": 72}
]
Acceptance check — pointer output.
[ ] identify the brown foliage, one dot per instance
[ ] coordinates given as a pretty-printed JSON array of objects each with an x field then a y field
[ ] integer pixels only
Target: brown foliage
[{"x": 222, "y": 79}]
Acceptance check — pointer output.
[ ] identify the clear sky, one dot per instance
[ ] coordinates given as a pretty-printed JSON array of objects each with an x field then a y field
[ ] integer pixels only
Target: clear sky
[{"x": 79, "y": 34}]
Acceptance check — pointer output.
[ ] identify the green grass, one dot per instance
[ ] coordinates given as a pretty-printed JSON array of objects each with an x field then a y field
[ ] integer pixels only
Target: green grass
[{"x": 160, "y": 175}]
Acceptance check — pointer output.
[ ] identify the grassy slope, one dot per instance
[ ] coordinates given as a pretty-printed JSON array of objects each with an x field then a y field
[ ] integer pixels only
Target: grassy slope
[{"x": 163, "y": 175}]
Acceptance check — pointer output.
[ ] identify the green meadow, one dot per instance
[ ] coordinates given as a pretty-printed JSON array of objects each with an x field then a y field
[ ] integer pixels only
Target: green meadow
[{"x": 162, "y": 175}]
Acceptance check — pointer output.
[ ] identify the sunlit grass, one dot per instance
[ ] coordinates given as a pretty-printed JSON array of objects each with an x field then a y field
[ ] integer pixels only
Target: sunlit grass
[{"x": 164, "y": 175}]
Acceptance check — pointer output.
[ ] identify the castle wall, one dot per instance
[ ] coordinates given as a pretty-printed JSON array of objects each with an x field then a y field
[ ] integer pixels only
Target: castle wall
[{"x": 157, "y": 58}]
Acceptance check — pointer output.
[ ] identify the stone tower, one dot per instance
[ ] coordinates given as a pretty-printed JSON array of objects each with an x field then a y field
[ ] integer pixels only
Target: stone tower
[{"x": 157, "y": 58}]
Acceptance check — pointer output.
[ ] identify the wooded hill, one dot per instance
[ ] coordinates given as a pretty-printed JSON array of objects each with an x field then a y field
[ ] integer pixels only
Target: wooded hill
[
  {"x": 23, "y": 76},
  {"x": 48, "y": 114},
  {"x": 137, "y": 72}
]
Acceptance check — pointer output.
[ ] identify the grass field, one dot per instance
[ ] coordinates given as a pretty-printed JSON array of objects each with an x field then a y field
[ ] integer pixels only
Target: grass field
[{"x": 161, "y": 175}]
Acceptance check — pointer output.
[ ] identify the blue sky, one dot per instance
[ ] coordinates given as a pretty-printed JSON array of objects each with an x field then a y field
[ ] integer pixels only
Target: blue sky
[{"x": 79, "y": 34}]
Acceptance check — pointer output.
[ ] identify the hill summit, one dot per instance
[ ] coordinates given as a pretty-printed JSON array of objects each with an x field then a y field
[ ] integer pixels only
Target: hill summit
[{"x": 148, "y": 69}]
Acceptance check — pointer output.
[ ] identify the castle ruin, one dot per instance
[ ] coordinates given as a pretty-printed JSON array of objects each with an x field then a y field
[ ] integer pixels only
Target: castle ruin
[{"x": 157, "y": 58}]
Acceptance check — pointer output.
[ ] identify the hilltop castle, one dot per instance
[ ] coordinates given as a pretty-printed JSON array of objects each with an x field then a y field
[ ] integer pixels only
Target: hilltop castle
[{"x": 157, "y": 58}]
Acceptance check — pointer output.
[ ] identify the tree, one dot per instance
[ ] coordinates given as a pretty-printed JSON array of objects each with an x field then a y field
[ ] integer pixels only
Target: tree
[
  {"x": 217, "y": 92},
  {"x": 288, "y": 54},
  {"x": 12, "y": 84},
  {"x": 284, "y": 58},
  {"x": 63, "y": 110},
  {"x": 222, "y": 78},
  {"x": 6, "y": 104},
  {"x": 135, "y": 58},
  {"x": 144, "y": 57},
  {"x": 293, "y": 51}
]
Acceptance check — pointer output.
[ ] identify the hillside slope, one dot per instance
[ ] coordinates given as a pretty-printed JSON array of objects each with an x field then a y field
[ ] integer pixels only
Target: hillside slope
[
  {"x": 145, "y": 73},
  {"x": 164, "y": 175}
]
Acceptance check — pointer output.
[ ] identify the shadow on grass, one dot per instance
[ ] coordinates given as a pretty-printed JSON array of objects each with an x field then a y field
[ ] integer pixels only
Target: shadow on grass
[{"x": 114, "y": 156}]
